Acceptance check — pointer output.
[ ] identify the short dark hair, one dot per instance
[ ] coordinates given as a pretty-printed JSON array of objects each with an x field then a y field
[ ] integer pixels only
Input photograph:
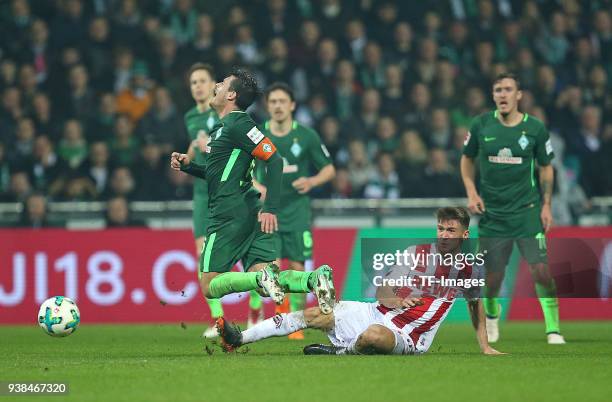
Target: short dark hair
[
  {"x": 279, "y": 86},
  {"x": 201, "y": 66},
  {"x": 460, "y": 214},
  {"x": 511, "y": 76},
  {"x": 245, "y": 86}
]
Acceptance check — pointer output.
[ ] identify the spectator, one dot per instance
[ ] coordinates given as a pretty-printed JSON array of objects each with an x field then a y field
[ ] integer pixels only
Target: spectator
[
  {"x": 473, "y": 105},
  {"x": 102, "y": 123},
  {"x": 124, "y": 144},
  {"x": 440, "y": 179},
  {"x": 393, "y": 94},
  {"x": 247, "y": 47},
  {"x": 98, "y": 167},
  {"x": 73, "y": 147},
  {"x": 24, "y": 140},
  {"x": 341, "y": 185},
  {"x": 47, "y": 169},
  {"x": 363, "y": 124},
  {"x": 312, "y": 113},
  {"x": 150, "y": 174},
  {"x": 136, "y": 100},
  {"x": 411, "y": 157},
  {"x": 38, "y": 52},
  {"x": 386, "y": 136},
  {"x": 552, "y": 43},
  {"x": 8, "y": 73},
  {"x": 99, "y": 51},
  {"x": 602, "y": 36},
  {"x": 597, "y": 91},
  {"x": 5, "y": 172},
  {"x": 81, "y": 101},
  {"x": 69, "y": 27},
  {"x": 526, "y": 67},
  {"x": 78, "y": 189},
  {"x": 162, "y": 124},
  {"x": 183, "y": 21},
  {"x": 372, "y": 71},
  {"x": 34, "y": 213},
  {"x": 321, "y": 73},
  {"x": 202, "y": 45},
  {"x": 402, "y": 50},
  {"x": 417, "y": 114},
  {"x": 10, "y": 112},
  {"x": 45, "y": 121},
  {"x": 123, "y": 69},
  {"x": 118, "y": 214},
  {"x": 359, "y": 166},
  {"x": 355, "y": 40},
  {"x": 121, "y": 184},
  {"x": 346, "y": 90},
  {"x": 181, "y": 185},
  {"x": 330, "y": 135},
  {"x": 458, "y": 49},
  {"x": 19, "y": 187},
  {"x": 304, "y": 53},
  {"x": 384, "y": 182},
  {"x": 27, "y": 83},
  {"x": 440, "y": 131}
]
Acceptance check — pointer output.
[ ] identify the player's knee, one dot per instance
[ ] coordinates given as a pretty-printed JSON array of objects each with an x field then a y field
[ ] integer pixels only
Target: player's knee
[
  {"x": 374, "y": 337},
  {"x": 540, "y": 273},
  {"x": 204, "y": 286}
]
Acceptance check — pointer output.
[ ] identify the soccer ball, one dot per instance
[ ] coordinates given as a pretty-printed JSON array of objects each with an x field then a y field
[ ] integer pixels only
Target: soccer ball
[{"x": 59, "y": 316}]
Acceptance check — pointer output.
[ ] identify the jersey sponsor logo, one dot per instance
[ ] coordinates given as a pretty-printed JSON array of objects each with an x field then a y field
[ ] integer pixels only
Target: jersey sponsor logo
[
  {"x": 504, "y": 156},
  {"x": 523, "y": 141},
  {"x": 264, "y": 150},
  {"x": 289, "y": 168},
  {"x": 467, "y": 138},
  {"x": 549, "y": 147},
  {"x": 255, "y": 135},
  {"x": 210, "y": 123},
  {"x": 488, "y": 139}
]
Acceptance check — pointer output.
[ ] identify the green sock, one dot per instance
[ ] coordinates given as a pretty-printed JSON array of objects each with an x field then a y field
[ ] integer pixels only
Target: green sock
[
  {"x": 491, "y": 306},
  {"x": 254, "y": 300},
  {"x": 294, "y": 281},
  {"x": 550, "y": 306},
  {"x": 233, "y": 282},
  {"x": 297, "y": 301},
  {"x": 216, "y": 308}
]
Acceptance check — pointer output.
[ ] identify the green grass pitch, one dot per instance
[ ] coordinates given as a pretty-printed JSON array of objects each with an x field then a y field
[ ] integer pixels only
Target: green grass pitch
[{"x": 169, "y": 363}]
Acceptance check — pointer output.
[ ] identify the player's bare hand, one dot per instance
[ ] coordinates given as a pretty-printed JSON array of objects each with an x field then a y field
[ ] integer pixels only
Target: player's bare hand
[
  {"x": 476, "y": 204},
  {"x": 177, "y": 160},
  {"x": 492, "y": 352},
  {"x": 546, "y": 217},
  {"x": 303, "y": 185},
  {"x": 409, "y": 302},
  {"x": 269, "y": 223}
]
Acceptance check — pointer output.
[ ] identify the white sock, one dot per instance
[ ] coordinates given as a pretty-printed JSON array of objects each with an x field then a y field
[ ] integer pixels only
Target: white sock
[{"x": 279, "y": 325}]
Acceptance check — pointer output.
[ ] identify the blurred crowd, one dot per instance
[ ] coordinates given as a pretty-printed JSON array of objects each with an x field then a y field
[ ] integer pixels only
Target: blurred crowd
[{"x": 93, "y": 92}]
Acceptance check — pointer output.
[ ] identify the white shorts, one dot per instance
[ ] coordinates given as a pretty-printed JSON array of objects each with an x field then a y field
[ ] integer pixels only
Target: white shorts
[{"x": 353, "y": 318}]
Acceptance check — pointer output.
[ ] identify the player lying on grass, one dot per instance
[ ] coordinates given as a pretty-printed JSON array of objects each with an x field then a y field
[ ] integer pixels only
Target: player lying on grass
[{"x": 404, "y": 320}]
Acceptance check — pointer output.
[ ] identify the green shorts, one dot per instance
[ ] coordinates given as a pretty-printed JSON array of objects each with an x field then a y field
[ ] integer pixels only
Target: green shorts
[
  {"x": 238, "y": 239},
  {"x": 201, "y": 218},
  {"x": 295, "y": 246},
  {"x": 498, "y": 235}
]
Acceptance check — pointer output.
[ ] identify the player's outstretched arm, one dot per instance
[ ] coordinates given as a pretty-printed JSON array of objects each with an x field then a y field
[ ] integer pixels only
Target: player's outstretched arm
[
  {"x": 183, "y": 163},
  {"x": 477, "y": 315},
  {"x": 468, "y": 174}
]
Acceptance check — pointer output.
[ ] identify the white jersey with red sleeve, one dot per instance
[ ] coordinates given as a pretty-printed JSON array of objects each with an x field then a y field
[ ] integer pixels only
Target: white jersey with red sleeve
[{"x": 430, "y": 282}]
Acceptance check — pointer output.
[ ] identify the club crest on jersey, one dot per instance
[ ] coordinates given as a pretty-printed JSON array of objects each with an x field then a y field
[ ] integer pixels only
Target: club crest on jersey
[
  {"x": 523, "y": 141},
  {"x": 504, "y": 156},
  {"x": 296, "y": 149},
  {"x": 210, "y": 122}
]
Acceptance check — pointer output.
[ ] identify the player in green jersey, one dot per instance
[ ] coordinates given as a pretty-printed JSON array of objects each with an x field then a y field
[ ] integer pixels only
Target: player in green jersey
[
  {"x": 301, "y": 149},
  {"x": 240, "y": 228},
  {"x": 509, "y": 145},
  {"x": 199, "y": 121}
]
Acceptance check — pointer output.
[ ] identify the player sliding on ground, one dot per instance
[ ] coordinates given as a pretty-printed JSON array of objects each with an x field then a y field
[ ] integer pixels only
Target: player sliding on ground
[
  {"x": 240, "y": 229},
  {"x": 404, "y": 320}
]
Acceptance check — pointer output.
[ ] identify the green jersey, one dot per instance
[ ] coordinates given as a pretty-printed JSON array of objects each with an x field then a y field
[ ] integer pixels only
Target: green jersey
[
  {"x": 199, "y": 123},
  {"x": 507, "y": 157},
  {"x": 229, "y": 164},
  {"x": 301, "y": 150}
]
